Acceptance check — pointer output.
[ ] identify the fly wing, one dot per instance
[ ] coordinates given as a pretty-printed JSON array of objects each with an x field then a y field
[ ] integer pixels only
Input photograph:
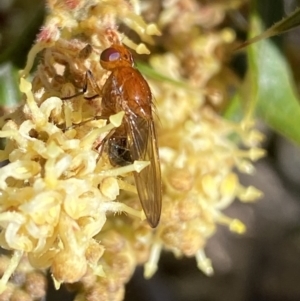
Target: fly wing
[{"x": 143, "y": 146}]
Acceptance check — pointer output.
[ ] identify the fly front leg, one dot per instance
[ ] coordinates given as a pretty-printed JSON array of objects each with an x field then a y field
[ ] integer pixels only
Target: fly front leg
[{"x": 89, "y": 84}]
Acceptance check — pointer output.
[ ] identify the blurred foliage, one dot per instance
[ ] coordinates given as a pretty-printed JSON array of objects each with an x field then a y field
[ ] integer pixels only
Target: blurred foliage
[
  {"x": 273, "y": 87},
  {"x": 268, "y": 89},
  {"x": 286, "y": 24},
  {"x": 19, "y": 24},
  {"x": 9, "y": 90}
]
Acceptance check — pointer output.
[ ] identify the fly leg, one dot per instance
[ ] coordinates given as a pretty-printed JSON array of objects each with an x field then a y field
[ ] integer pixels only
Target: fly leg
[
  {"x": 117, "y": 147},
  {"x": 89, "y": 81},
  {"x": 99, "y": 144},
  {"x": 90, "y": 84}
]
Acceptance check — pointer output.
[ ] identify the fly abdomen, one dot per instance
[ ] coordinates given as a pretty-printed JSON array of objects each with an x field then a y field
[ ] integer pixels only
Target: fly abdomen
[{"x": 118, "y": 152}]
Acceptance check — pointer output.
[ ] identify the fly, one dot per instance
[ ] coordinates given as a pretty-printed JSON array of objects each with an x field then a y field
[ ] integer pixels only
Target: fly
[{"x": 126, "y": 90}]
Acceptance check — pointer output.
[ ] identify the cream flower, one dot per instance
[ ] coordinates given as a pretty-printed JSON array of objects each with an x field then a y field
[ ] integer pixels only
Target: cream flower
[{"x": 63, "y": 205}]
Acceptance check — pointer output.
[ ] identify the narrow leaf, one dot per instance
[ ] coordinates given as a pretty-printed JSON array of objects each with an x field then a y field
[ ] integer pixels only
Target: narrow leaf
[{"x": 282, "y": 26}]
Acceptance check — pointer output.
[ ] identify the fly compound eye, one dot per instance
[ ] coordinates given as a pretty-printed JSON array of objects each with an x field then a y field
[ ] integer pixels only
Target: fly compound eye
[{"x": 110, "y": 55}]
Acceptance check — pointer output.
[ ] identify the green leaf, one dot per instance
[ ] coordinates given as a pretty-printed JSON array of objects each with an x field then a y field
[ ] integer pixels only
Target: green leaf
[
  {"x": 9, "y": 89},
  {"x": 234, "y": 110},
  {"x": 272, "y": 87}
]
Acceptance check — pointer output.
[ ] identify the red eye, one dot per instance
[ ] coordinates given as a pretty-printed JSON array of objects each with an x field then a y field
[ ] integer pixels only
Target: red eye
[{"x": 110, "y": 55}]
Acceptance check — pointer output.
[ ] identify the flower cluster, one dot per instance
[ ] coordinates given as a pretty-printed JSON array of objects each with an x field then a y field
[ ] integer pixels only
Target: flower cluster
[
  {"x": 59, "y": 194},
  {"x": 26, "y": 284}
]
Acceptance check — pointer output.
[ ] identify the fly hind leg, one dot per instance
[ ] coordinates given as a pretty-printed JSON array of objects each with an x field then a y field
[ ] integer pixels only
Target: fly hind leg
[{"x": 118, "y": 151}]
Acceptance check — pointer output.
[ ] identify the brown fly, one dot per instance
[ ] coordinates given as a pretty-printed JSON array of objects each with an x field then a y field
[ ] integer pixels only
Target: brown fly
[{"x": 126, "y": 90}]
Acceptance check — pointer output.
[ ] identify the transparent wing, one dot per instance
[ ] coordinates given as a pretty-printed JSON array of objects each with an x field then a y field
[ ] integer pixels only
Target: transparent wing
[{"x": 143, "y": 146}]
